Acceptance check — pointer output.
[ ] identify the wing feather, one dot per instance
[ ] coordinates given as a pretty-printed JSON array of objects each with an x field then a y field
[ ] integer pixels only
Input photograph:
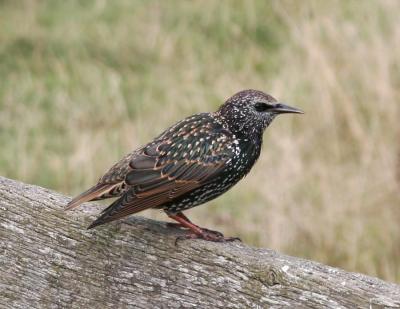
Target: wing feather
[{"x": 89, "y": 195}]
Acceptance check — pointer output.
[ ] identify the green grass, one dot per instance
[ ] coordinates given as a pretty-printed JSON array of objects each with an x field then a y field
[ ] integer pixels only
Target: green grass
[{"x": 84, "y": 82}]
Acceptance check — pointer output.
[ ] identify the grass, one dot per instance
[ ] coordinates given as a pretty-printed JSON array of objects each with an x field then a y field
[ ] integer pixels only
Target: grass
[{"x": 84, "y": 82}]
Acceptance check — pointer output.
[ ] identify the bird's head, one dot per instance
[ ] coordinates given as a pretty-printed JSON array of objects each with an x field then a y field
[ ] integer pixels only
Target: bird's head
[{"x": 249, "y": 112}]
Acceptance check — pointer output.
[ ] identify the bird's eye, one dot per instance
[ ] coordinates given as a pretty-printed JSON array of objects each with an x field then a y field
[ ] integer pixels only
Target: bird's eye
[{"x": 262, "y": 107}]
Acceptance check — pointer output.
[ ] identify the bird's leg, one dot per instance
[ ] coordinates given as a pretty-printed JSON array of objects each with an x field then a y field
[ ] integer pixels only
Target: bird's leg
[
  {"x": 180, "y": 214},
  {"x": 180, "y": 225},
  {"x": 198, "y": 232}
]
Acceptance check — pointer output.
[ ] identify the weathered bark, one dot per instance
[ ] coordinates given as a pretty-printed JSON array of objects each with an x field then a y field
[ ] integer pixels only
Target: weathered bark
[{"x": 49, "y": 260}]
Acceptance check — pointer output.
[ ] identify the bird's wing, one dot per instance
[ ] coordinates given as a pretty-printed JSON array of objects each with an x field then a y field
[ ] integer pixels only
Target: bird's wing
[{"x": 184, "y": 158}]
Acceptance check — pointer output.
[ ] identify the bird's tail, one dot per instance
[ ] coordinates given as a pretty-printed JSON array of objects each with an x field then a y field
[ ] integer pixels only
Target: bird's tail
[{"x": 89, "y": 195}]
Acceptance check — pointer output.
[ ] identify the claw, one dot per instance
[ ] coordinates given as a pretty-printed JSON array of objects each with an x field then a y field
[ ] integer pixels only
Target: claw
[{"x": 208, "y": 235}]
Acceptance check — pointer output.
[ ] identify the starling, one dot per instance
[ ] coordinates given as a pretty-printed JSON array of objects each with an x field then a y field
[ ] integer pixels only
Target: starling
[{"x": 191, "y": 163}]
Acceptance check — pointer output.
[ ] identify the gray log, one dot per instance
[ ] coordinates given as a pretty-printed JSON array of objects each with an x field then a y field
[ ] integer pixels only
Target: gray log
[{"x": 49, "y": 260}]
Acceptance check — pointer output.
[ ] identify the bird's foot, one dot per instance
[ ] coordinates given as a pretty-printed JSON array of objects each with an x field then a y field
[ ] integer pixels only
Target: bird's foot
[
  {"x": 197, "y": 232},
  {"x": 208, "y": 235},
  {"x": 180, "y": 226},
  {"x": 212, "y": 232}
]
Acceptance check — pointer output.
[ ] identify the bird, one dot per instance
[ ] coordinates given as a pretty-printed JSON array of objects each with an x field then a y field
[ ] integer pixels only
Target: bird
[{"x": 192, "y": 162}]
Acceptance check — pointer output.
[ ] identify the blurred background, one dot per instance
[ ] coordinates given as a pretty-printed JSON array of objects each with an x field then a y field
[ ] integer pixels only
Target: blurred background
[{"x": 85, "y": 82}]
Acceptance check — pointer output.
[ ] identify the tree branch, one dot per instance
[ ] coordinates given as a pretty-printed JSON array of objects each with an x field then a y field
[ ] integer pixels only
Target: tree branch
[{"x": 49, "y": 260}]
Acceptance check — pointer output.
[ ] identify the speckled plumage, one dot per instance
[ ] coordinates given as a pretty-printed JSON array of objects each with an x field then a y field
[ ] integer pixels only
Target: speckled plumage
[{"x": 192, "y": 162}]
